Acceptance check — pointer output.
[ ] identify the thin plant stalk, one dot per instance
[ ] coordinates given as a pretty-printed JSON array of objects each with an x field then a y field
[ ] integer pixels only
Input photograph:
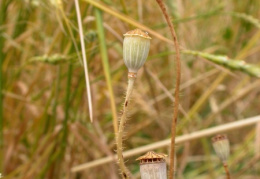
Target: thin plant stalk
[
  {"x": 55, "y": 100},
  {"x": 124, "y": 6},
  {"x": 1, "y": 105},
  {"x": 177, "y": 87},
  {"x": 3, "y": 9},
  {"x": 67, "y": 105},
  {"x": 84, "y": 59},
  {"x": 105, "y": 62},
  {"x": 226, "y": 170},
  {"x": 123, "y": 168}
]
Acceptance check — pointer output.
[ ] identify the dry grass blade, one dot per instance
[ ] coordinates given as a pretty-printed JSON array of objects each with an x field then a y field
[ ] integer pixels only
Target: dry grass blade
[
  {"x": 84, "y": 60},
  {"x": 180, "y": 139}
]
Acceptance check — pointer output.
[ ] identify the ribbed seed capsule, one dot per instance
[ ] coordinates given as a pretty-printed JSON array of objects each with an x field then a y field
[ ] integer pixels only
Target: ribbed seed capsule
[
  {"x": 135, "y": 49},
  {"x": 153, "y": 166},
  {"x": 221, "y": 147}
]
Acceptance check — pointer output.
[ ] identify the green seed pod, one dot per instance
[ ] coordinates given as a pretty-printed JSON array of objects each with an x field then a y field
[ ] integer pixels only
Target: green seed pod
[
  {"x": 221, "y": 147},
  {"x": 135, "y": 49}
]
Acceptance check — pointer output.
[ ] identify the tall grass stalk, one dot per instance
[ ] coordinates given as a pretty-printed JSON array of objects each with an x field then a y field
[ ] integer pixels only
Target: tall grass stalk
[
  {"x": 177, "y": 87},
  {"x": 67, "y": 107},
  {"x": 106, "y": 66},
  {"x": 55, "y": 100},
  {"x": 84, "y": 60},
  {"x": 3, "y": 10},
  {"x": 1, "y": 100},
  {"x": 124, "y": 6}
]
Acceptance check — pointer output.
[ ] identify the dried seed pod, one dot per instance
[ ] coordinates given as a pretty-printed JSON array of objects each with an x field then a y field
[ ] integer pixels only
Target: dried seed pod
[
  {"x": 153, "y": 165},
  {"x": 221, "y": 147},
  {"x": 135, "y": 49}
]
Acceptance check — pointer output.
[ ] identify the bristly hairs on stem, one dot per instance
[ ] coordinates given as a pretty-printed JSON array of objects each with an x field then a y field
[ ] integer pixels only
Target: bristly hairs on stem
[
  {"x": 177, "y": 87},
  {"x": 125, "y": 172}
]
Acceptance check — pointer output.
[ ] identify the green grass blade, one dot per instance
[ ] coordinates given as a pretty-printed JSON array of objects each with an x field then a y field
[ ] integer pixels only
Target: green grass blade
[
  {"x": 124, "y": 6},
  {"x": 3, "y": 9},
  {"x": 247, "y": 18},
  {"x": 105, "y": 62},
  {"x": 239, "y": 65},
  {"x": 67, "y": 108}
]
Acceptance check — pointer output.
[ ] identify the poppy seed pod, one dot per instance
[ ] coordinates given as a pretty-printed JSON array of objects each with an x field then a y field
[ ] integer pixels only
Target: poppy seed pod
[
  {"x": 135, "y": 49},
  {"x": 153, "y": 165},
  {"x": 221, "y": 147}
]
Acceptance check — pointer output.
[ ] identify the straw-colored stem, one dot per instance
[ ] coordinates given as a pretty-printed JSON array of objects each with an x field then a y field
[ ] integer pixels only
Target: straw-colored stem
[
  {"x": 122, "y": 122},
  {"x": 177, "y": 87},
  {"x": 226, "y": 170},
  {"x": 85, "y": 64}
]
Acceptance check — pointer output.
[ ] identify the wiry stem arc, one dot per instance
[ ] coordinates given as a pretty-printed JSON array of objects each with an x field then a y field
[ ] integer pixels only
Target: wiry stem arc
[
  {"x": 122, "y": 122},
  {"x": 177, "y": 87}
]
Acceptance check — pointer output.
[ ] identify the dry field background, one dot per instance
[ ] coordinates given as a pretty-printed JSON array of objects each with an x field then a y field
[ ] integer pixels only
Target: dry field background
[{"x": 44, "y": 117}]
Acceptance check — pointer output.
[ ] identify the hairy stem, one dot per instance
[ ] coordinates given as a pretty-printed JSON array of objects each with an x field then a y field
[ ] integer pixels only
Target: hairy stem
[
  {"x": 120, "y": 157},
  {"x": 226, "y": 170},
  {"x": 177, "y": 87}
]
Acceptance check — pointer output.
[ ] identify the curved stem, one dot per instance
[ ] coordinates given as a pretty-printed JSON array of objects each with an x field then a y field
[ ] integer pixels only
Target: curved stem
[
  {"x": 120, "y": 157},
  {"x": 177, "y": 87}
]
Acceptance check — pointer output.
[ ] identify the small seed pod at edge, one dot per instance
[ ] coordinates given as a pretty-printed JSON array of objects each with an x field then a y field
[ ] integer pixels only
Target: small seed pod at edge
[
  {"x": 135, "y": 49},
  {"x": 221, "y": 147}
]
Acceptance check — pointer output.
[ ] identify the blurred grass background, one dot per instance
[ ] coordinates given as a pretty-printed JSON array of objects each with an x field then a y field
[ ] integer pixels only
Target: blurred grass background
[{"x": 44, "y": 116}]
